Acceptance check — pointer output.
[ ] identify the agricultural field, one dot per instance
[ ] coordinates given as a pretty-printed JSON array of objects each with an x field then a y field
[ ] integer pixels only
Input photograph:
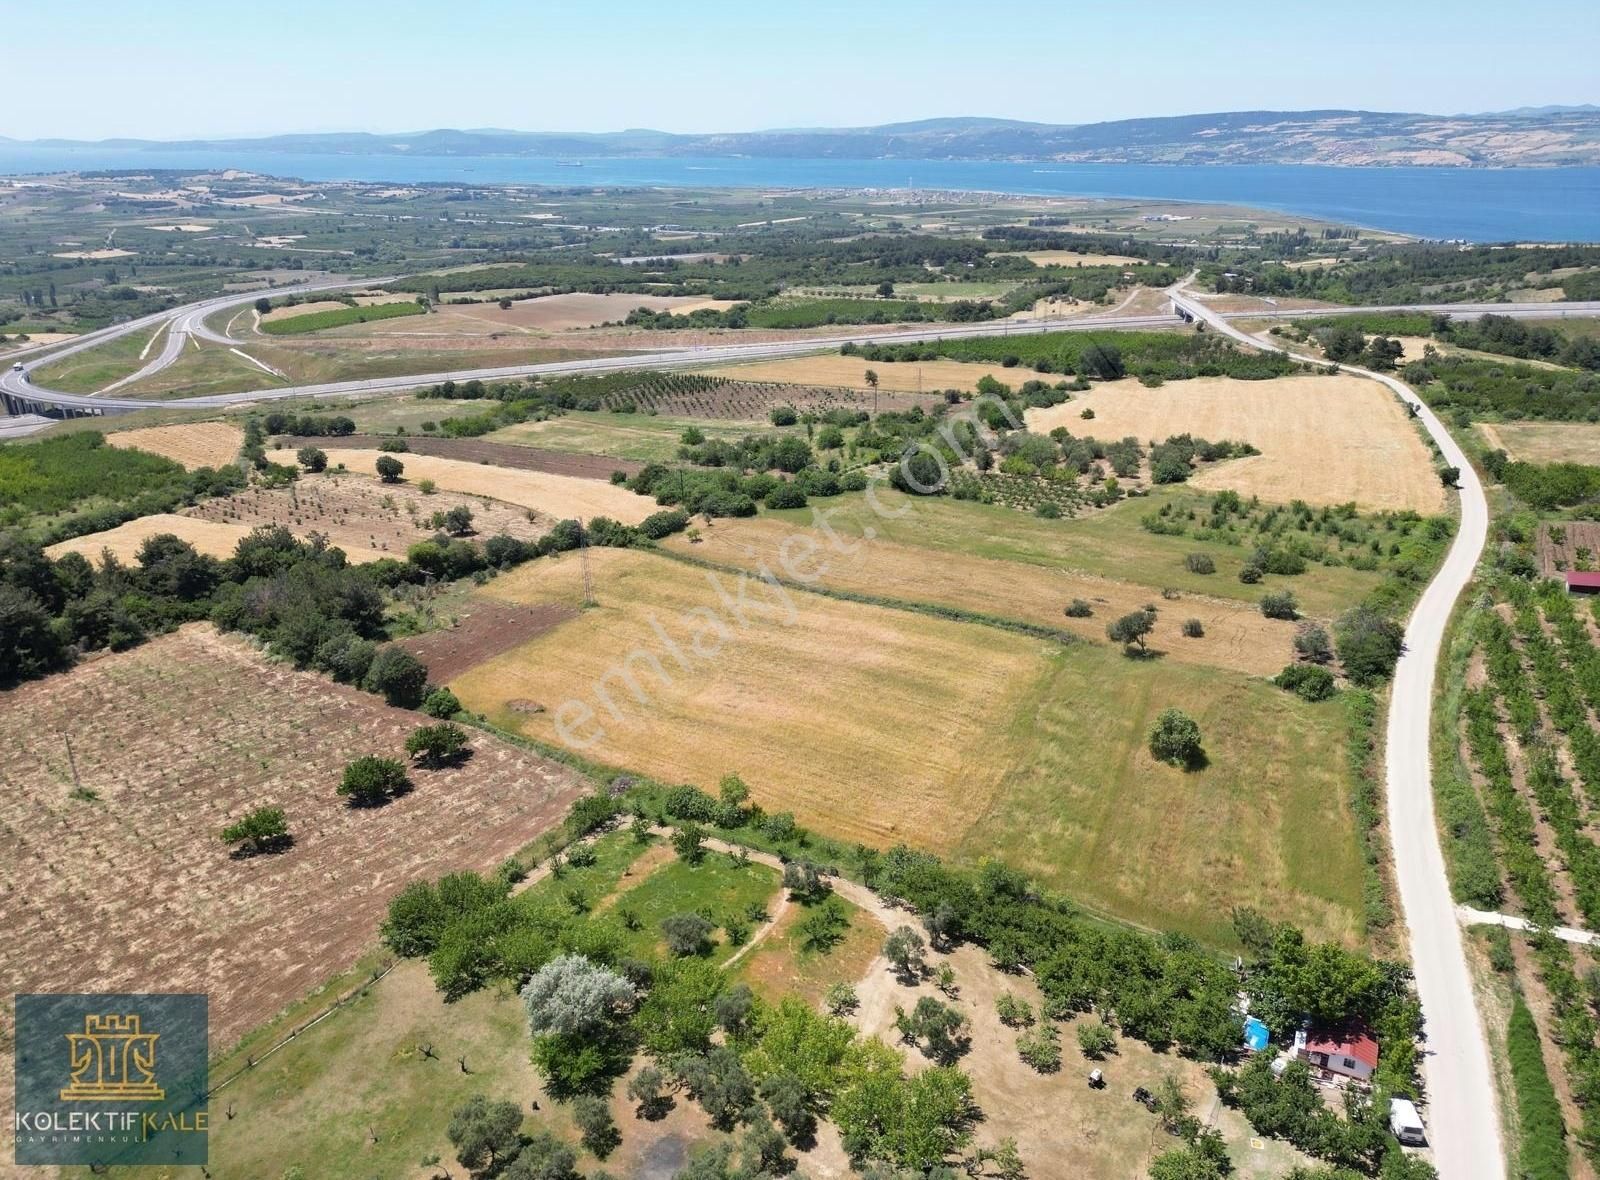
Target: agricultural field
[
  {"x": 640, "y": 438},
  {"x": 194, "y": 444},
  {"x": 566, "y": 313},
  {"x": 213, "y": 537},
  {"x": 809, "y": 711},
  {"x": 1524, "y": 757},
  {"x": 1108, "y": 545},
  {"x": 559, "y": 496},
  {"x": 1237, "y": 636},
  {"x": 494, "y": 452},
  {"x": 122, "y": 831},
  {"x": 849, "y": 372},
  {"x": 1544, "y": 442},
  {"x": 1323, "y": 440},
  {"x": 303, "y": 321},
  {"x": 844, "y": 717}
]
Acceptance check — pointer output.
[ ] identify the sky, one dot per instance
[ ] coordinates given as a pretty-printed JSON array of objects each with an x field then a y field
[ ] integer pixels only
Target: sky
[{"x": 161, "y": 69}]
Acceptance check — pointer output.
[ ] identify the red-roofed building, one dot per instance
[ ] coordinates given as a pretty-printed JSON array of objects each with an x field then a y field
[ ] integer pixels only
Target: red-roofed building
[
  {"x": 1583, "y": 583},
  {"x": 1349, "y": 1052}
]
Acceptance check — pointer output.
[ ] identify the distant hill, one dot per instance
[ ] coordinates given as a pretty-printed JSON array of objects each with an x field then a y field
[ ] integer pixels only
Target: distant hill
[{"x": 1544, "y": 136}]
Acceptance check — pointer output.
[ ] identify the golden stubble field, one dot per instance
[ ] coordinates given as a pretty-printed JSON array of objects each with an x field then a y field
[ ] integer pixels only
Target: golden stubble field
[
  {"x": 194, "y": 444},
  {"x": 870, "y": 724},
  {"x": 1237, "y": 635},
  {"x": 1324, "y": 440},
  {"x": 560, "y": 496},
  {"x": 1545, "y": 442}
]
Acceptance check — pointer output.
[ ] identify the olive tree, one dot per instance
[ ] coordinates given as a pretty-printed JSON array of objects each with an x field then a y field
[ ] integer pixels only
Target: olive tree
[
  {"x": 904, "y": 950},
  {"x": 1175, "y": 738}
]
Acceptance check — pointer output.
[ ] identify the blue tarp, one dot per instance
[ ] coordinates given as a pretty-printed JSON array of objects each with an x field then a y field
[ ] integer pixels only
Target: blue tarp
[{"x": 1256, "y": 1035}]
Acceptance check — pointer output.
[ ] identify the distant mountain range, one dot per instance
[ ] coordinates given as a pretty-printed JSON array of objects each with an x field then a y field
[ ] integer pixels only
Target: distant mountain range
[{"x": 1543, "y": 136}]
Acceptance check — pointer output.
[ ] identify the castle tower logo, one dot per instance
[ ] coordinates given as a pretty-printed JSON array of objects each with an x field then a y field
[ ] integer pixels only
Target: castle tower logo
[{"x": 113, "y": 1060}]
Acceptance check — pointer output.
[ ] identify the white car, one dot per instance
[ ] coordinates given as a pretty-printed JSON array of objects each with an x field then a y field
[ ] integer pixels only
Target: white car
[{"x": 17, "y": 368}]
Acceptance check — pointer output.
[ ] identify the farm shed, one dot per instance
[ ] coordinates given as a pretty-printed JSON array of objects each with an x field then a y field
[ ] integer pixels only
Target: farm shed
[{"x": 1583, "y": 583}]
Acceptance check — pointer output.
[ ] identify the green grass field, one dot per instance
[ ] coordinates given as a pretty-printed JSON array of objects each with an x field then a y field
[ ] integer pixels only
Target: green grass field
[
  {"x": 1110, "y": 544},
  {"x": 316, "y": 321},
  {"x": 717, "y": 888},
  {"x": 93, "y": 369},
  {"x": 1086, "y": 809},
  {"x": 644, "y": 437}
]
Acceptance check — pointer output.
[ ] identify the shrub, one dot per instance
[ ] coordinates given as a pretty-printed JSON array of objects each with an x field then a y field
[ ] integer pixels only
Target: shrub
[
  {"x": 261, "y": 830},
  {"x": 1078, "y": 609},
  {"x": 369, "y": 780},
  {"x": 784, "y": 416},
  {"x": 441, "y": 703},
  {"x": 1175, "y": 738},
  {"x": 434, "y": 745},
  {"x": 389, "y": 469},
  {"x": 841, "y": 999},
  {"x": 1280, "y": 604},
  {"x": 1193, "y": 629},
  {"x": 1040, "y": 1047},
  {"x": 687, "y": 934},
  {"x": 1250, "y": 573},
  {"x": 312, "y": 458},
  {"x": 1096, "y": 1040},
  {"x": 1309, "y": 682},
  {"x": 1369, "y": 644},
  {"x": 1200, "y": 563},
  {"x": 1311, "y": 643},
  {"x": 786, "y": 495},
  {"x": 398, "y": 675},
  {"x": 1013, "y": 1010}
]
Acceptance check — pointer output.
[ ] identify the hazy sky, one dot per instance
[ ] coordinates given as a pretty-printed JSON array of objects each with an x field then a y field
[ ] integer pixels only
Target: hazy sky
[{"x": 162, "y": 69}]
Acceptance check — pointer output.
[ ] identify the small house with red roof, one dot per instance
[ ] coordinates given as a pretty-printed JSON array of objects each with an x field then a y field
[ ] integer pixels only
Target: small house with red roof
[
  {"x": 1579, "y": 582},
  {"x": 1350, "y": 1052}
]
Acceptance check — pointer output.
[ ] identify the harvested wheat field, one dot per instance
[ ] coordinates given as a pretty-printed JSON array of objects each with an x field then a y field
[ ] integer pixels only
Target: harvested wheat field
[
  {"x": 563, "y": 313},
  {"x": 366, "y": 519},
  {"x": 559, "y": 496},
  {"x": 1237, "y": 636},
  {"x": 849, "y": 372},
  {"x": 1072, "y": 258},
  {"x": 293, "y": 310},
  {"x": 1545, "y": 442},
  {"x": 867, "y": 723},
  {"x": 217, "y": 538},
  {"x": 126, "y": 886},
  {"x": 1324, "y": 440},
  {"x": 194, "y": 444}
]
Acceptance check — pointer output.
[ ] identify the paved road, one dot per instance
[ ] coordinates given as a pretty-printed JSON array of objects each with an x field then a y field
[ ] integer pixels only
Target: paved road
[
  {"x": 1464, "y": 1125},
  {"x": 1472, "y": 917},
  {"x": 186, "y": 322}
]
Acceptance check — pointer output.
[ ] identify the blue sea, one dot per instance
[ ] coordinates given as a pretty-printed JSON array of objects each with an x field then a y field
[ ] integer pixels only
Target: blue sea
[{"x": 1476, "y": 204}]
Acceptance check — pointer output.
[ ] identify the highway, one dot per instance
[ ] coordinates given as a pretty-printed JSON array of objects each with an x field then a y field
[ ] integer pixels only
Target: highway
[
  {"x": 1463, "y": 1119},
  {"x": 22, "y": 395}
]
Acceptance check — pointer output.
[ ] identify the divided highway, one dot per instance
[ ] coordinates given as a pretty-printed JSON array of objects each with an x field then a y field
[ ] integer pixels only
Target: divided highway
[
  {"x": 1464, "y": 1124},
  {"x": 22, "y": 395}
]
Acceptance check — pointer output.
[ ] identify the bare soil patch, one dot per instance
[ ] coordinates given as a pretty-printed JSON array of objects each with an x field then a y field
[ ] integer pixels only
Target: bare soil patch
[
  {"x": 482, "y": 631},
  {"x": 1578, "y": 547},
  {"x": 1324, "y": 440},
  {"x": 194, "y": 444},
  {"x": 560, "y": 496},
  {"x": 179, "y": 737},
  {"x": 475, "y": 450}
]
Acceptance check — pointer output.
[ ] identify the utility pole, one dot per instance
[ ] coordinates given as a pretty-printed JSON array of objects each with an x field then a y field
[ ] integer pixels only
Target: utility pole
[
  {"x": 588, "y": 584},
  {"x": 72, "y": 762}
]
